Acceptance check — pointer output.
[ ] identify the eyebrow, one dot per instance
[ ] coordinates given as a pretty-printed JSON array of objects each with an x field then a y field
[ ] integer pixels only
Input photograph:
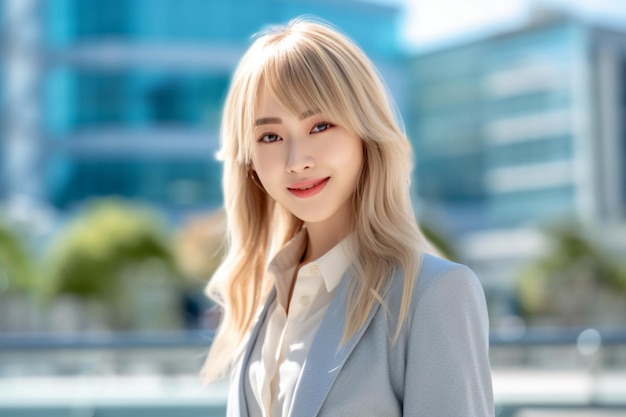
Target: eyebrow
[
  {"x": 267, "y": 121},
  {"x": 278, "y": 120}
]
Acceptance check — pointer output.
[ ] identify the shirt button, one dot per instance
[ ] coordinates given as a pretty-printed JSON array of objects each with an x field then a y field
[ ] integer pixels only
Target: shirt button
[
  {"x": 305, "y": 300},
  {"x": 314, "y": 269}
]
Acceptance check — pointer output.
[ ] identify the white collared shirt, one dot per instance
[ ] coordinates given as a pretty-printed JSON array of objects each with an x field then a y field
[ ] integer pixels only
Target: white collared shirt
[{"x": 285, "y": 339}]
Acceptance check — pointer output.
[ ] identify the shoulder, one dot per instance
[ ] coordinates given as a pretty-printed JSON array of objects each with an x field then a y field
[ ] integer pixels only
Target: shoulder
[
  {"x": 440, "y": 275},
  {"x": 448, "y": 295},
  {"x": 440, "y": 284}
]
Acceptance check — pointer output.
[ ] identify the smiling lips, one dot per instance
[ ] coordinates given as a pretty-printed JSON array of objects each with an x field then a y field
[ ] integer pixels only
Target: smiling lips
[{"x": 308, "y": 188}]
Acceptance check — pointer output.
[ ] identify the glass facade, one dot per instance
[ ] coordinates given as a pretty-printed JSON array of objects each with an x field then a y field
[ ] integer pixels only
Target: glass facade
[
  {"x": 177, "y": 182},
  {"x": 447, "y": 128},
  {"x": 530, "y": 130},
  {"x": 494, "y": 127},
  {"x": 120, "y": 67},
  {"x": 132, "y": 98}
]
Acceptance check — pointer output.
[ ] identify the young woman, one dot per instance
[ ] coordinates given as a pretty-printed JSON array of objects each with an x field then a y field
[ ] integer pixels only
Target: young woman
[{"x": 332, "y": 305}]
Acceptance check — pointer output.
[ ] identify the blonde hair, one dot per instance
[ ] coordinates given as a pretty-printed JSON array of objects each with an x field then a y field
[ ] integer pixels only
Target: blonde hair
[{"x": 310, "y": 65}]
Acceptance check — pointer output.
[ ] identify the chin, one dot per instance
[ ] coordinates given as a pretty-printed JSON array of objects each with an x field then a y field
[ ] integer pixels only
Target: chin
[{"x": 311, "y": 217}]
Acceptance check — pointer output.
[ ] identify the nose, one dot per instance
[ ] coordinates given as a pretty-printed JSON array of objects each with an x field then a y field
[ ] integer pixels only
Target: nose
[{"x": 300, "y": 157}]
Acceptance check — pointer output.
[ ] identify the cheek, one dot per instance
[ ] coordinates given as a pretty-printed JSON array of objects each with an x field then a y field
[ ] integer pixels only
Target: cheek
[
  {"x": 264, "y": 163},
  {"x": 253, "y": 163},
  {"x": 351, "y": 153},
  {"x": 258, "y": 161}
]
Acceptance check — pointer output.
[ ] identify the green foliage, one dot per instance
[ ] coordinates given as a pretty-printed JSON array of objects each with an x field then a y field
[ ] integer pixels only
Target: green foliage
[
  {"x": 108, "y": 239},
  {"x": 569, "y": 276},
  {"x": 17, "y": 269},
  {"x": 200, "y": 247}
]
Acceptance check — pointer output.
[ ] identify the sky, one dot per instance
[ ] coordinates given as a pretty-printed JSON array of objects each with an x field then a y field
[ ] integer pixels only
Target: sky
[{"x": 427, "y": 23}]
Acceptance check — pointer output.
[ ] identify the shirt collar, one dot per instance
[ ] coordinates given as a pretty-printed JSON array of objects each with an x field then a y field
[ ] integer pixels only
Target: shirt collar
[
  {"x": 331, "y": 266},
  {"x": 289, "y": 255}
]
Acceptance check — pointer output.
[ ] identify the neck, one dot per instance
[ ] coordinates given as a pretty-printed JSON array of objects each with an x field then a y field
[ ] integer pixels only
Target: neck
[{"x": 323, "y": 236}]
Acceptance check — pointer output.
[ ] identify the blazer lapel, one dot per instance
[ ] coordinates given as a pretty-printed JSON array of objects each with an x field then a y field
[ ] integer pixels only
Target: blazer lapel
[
  {"x": 326, "y": 357},
  {"x": 240, "y": 374}
]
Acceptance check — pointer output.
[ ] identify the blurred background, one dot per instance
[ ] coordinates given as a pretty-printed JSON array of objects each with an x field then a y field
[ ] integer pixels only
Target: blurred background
[{"x": 110, "y": 193}]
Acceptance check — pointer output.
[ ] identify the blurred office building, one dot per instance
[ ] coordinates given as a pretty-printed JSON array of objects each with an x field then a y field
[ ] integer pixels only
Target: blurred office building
[
  {"x": 123, "y": 97},
  {"x": 520, "y": 129}
]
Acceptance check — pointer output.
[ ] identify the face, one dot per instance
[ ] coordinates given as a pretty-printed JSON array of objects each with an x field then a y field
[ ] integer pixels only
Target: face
[{"x": 307, "y": 163}]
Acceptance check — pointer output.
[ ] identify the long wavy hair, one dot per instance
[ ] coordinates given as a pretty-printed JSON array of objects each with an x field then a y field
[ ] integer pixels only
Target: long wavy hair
[{"x": 311, "y": 65}]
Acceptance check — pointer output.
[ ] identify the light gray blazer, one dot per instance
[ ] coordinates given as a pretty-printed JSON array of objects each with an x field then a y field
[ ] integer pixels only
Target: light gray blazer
[{"x": 439, "y": 367}]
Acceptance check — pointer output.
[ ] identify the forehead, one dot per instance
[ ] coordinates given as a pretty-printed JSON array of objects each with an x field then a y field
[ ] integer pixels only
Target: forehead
[{"x": 268, "y": 104}]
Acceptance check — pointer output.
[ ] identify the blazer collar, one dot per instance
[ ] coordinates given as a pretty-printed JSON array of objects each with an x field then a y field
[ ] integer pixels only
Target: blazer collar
[
  {"x": 327, "y": 356},
  {"x": 324, "y": 361},
  {"x": 240, "y": 373}
]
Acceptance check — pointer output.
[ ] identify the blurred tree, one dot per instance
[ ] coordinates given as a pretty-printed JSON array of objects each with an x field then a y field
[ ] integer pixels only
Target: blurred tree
[
  {"x": 577, "y": 282},
  {"x": 199, "y": 249},
  {"x": 118, "y": 253},
  {"x": 19, "y": 288},
  {"x": 17, "y": 268},
  {"x": 200, "y": 246}
]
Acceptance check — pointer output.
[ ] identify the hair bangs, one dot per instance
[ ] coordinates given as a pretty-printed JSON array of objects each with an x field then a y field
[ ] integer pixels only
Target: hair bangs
[{"x": 302, "y": 76}]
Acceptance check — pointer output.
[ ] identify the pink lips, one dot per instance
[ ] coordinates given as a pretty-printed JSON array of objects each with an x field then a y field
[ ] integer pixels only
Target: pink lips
[{"x": 308, "y": 188}]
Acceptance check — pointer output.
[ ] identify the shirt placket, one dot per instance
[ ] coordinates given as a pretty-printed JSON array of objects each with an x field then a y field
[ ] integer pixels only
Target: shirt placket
[
  {"x": 271, "y": 361},
  {"x": 304, "y": 291}
]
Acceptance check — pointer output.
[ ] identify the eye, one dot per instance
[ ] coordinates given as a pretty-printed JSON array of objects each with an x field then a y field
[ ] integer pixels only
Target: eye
[
  {"x": 320, "y": 127},
  {"x": 269, "y": 138}
]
